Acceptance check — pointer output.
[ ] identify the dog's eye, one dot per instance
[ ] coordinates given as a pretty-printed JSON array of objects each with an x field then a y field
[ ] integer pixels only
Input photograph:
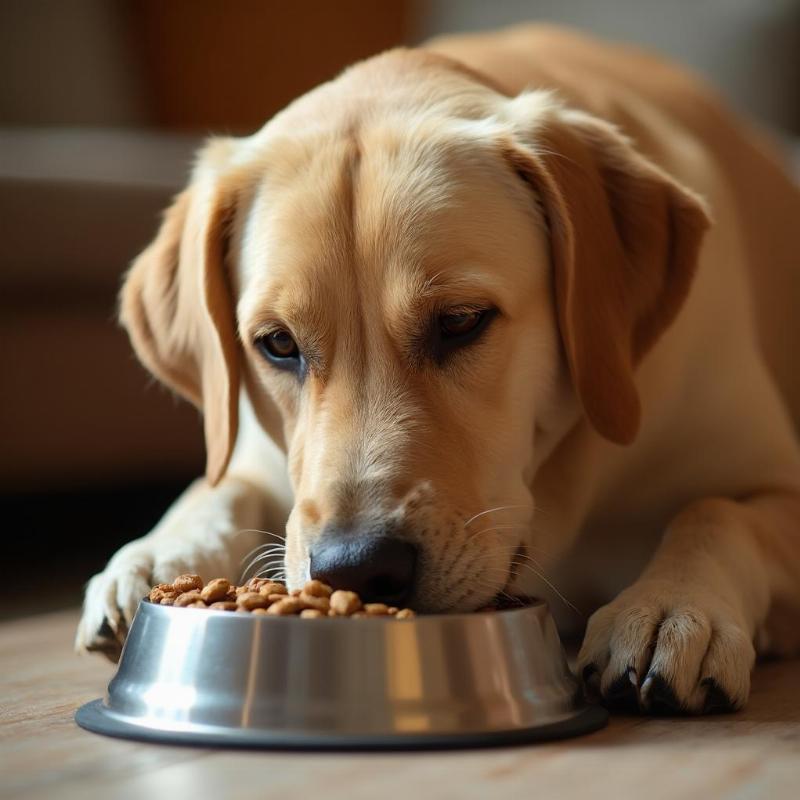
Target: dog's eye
[
  {"x": 456, "y": 328},
  {"x": 456, "y": 324},
  {"x": 278, "y": 346}
]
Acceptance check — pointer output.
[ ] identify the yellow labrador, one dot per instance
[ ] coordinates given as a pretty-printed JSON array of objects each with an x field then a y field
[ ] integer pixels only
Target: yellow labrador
[{"x": 511, "y": 312}]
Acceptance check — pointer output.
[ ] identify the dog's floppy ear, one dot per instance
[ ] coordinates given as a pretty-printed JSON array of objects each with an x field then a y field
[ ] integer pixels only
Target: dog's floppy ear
[
  {"x": 624, "y": 240},
  {"x": 177, "y": 307}
]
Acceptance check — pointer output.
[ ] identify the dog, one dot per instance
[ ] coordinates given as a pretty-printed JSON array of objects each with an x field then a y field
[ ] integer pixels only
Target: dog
[{"x": 510, "y": 312}]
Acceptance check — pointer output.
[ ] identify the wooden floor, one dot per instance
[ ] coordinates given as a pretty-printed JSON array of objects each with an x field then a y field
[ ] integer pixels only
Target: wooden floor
[{"x": 43, "y": 754}]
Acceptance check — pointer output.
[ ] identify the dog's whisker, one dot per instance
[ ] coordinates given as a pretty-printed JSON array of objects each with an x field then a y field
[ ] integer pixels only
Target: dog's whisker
[
  {"x": 492, "y": 510},
  {"x": 272, "y": 548},
  {"x": 536, "y": 569},
  {"x": 506, "y": 526},
  {"x": 271, "y": 571},
  {"x": 278, "y": 548},
  {"x": 263, "y": 533},
  {"x": 270, "y": 563},
  {"x": 480, "y": 558},
  {"x": 266, "y": 557},
  {"x": 271, "y": 559},
  {"x": 487, "y": 586},
  {"x": 260, "y": 546},
  {"x": 542, "y": 576}
]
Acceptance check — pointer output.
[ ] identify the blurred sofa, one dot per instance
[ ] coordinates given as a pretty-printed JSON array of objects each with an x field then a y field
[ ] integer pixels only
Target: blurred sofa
[{"x": 77, "y": 409}]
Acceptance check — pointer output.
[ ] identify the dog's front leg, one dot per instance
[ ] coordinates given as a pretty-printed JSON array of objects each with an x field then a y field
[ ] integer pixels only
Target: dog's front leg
[
  {"x": 681, "y": 638},
  {"x": 207, "y": 531}
]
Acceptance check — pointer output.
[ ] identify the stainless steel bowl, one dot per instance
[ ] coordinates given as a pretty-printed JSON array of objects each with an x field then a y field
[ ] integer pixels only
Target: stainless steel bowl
[{"x": 206, "y": 677}]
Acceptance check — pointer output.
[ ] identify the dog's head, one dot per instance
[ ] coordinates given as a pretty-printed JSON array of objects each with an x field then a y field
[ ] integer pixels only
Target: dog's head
[{"x": 423, "y": 285}]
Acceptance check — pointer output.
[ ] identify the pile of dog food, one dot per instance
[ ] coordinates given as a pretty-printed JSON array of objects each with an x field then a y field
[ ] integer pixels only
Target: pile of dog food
[{"x": 262, "y": 596}]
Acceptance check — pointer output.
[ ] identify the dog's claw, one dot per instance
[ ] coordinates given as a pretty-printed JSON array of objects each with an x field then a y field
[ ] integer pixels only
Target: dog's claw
[
  {"x": 623, "y": 693},
  {"x": 659, "y": 697},
  {"x": 717, "y": 700}
]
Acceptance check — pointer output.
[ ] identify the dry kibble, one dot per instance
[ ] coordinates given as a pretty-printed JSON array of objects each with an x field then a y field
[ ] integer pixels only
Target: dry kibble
[
  {"x": 251, "y": 600},
  {"x": 186, "y": 598},
  {"x": 262, "y": 596},
  {"x": 345, "y": 603},
  {"x": 317, "y": 603},
  {"x": 288, "y": 605},
  {"x": 317, "y": 589},
  {"x": 224, "y": 605},
  {"x": 270, "y": 588},
  {"x": 215, "y": 590},
  {"x": 376, "y": 609},
  {"x": 159, "y": 591},
  {"x": 185, "y": 583}
]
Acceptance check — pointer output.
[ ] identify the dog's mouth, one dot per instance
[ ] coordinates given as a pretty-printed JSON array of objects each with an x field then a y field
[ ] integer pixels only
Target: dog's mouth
[
  {"x": 507, "y": 597},
  {"x": 505, "y": 602}
]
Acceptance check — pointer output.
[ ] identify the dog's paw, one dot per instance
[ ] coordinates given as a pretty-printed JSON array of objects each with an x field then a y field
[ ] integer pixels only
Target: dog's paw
[
  {"x": 113, "y": 595},
  {"x": 658, "y": 650}
]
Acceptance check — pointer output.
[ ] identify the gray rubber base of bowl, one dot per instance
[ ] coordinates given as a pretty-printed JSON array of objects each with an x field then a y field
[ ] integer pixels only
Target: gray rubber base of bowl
[{"x": 94, "y": 717}]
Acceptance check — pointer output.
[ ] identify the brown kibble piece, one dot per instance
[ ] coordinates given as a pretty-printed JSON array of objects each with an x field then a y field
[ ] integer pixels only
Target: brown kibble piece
[
  {"x": 242, "y": 590},
  {"x": 215, "y": 590},
  {"x": 295, "y": 593},
  {"x": 405, "y": 613},
  {"x": 251, "y": 600},
  {"x": 317, "y": 589},
  {"x": 224, "y": 605},
  {"x": 160, "y": 590},
  {"x": 393, "y": 609},
  {"x": 187, "y": 582},
  {"x": 317, "y": 603},
  {"x": 259, "y": 611},
  {"x": 198, "y": 604},
  {"x": 186, "y": 598},
  {"x": 232, "y": 594},
  {"x": 311, "y": 613},
  {"x": 376, "y": 609},
  {"x": 345, "y": 603},
  {"x": 271, "y": 587},
  {"x": 285, "y": 606},
  {"x": 359, "y": 615},
  {"x": 274, "y": 598},
  {"x": 168, "y": 599}
]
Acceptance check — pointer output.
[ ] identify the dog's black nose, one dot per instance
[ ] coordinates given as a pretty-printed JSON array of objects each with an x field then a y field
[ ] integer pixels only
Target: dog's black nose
[{"x": 380, "y": 568}]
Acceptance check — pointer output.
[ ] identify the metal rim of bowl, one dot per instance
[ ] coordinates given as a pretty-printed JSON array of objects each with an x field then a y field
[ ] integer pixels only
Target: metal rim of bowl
[{"x": 95, "y": 717}]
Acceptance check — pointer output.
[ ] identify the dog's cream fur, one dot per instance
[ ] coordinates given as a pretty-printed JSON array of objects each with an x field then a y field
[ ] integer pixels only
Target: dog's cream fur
[{"x": 633, "y": 408}]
